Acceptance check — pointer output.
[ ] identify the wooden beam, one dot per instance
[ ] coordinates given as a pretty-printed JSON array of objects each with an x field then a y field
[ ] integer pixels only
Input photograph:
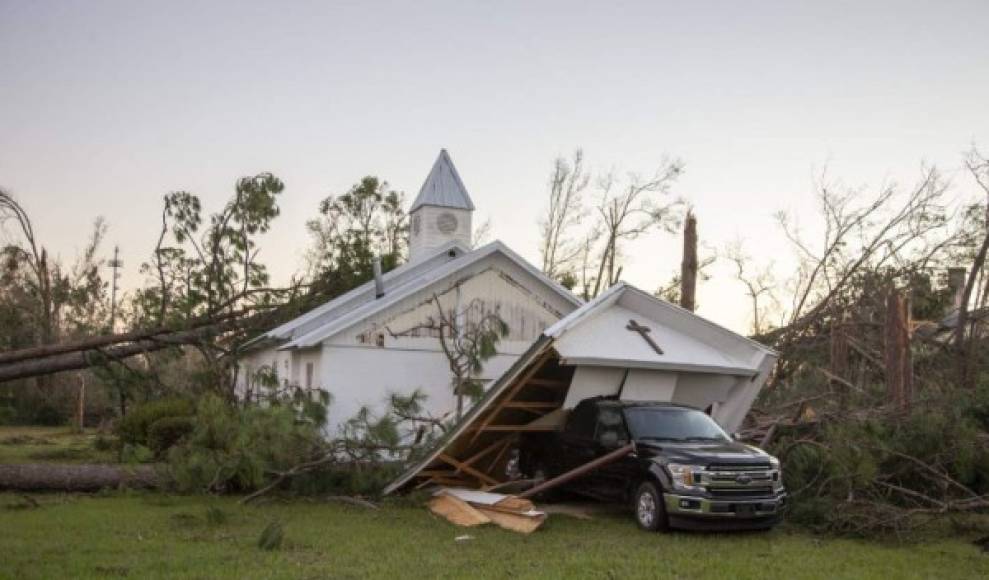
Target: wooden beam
[
  {"x": 520, "y": 428},
  {"x": 497, "y": 457},
  {"x": 504, "y": 441},
  {"x": 531, "y": 405},
  {"x": 547, "y": 383},
  {"x": 437, "y": 472},
  {"x": 441, "y": 480},
  {"x": 461, "y": 466}
]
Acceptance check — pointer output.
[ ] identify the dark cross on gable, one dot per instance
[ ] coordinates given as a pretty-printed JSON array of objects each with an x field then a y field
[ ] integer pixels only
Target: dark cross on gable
[{"x": 644, "y": 331}]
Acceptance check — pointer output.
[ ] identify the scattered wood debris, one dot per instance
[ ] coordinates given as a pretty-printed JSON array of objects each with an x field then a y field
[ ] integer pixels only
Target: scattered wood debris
[
  {"x": 457, "y": 511},
  {"x": 466, "y": 507}
]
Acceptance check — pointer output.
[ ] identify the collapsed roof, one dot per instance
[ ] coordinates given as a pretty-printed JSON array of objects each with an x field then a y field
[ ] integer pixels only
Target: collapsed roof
[{"x": 624, "y": 343}]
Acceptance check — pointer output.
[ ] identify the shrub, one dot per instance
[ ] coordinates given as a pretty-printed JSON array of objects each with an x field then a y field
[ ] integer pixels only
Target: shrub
[
  {"x": 168, "y": 431},
  {"x": 103, "y": 443},
  {"x": 133, "y": 428},
  {"x": 135, "y": 453},
  {"x": 233, "y": 449}
]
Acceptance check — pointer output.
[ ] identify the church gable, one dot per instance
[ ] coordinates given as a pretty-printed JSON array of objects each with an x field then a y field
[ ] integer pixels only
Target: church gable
[{"x": 525, "y": 304}]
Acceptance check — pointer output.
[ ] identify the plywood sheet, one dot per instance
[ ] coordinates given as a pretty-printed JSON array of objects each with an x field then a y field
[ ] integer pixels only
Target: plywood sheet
[{"x": 457, "y": 511}]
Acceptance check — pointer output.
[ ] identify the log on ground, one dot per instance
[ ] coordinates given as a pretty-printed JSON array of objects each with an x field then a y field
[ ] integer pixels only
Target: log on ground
[{"x": 71, "y": 477}]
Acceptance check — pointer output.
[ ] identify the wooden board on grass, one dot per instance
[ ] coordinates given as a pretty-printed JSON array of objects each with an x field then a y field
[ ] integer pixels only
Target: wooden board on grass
[{"x": 457, "y": 511}]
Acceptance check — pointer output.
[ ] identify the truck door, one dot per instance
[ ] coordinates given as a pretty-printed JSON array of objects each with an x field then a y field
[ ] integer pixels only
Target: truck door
[
  {"x": 610, "y": 433},
  {"x": 577, "y": 440}
]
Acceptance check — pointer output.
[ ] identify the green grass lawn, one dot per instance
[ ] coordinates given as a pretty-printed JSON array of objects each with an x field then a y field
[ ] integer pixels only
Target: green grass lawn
[
  {"x": 50, "y": 445},
  {"x": 149, "y": 535},
  {"x": 158, "y": 536}
]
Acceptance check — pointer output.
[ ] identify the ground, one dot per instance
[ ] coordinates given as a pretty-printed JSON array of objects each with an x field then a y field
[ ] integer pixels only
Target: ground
[
  {"x": 152, "y": 535},
  {"x": 158, "y": 536},
  {"x": 51, "y": 444}
]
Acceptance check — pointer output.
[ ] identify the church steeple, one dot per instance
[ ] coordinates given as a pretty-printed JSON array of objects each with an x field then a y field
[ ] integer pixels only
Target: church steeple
[
  {"x": 441, "y": 212},
  {"x": 443, "y": 187}
]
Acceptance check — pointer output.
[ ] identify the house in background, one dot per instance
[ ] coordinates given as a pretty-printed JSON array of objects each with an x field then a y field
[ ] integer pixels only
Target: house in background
[{"x": 348, "y": 346}]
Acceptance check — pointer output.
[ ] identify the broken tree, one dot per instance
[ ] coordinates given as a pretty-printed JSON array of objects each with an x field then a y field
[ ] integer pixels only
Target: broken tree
[
  {"x": 899, "y": 366},
  {"x": 688, "y": 268}
]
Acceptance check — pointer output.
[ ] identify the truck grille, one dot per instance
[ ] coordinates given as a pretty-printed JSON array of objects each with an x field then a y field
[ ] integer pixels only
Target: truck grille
[
  {"x": 740, "y": 481},
  {"x": 741, "y": 493},
  {"x": 739, "y": 467}
]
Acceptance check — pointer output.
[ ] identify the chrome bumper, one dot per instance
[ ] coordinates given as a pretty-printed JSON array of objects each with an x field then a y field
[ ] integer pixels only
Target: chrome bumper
[{"x": 691, "y": 505}]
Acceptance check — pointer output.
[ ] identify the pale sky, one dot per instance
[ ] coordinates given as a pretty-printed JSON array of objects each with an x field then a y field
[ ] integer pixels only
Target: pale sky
[{"x": 106, "y": 106}]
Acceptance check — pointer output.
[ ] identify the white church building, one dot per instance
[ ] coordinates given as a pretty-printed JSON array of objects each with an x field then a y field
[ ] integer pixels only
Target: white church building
[{"x": 356, "y": 345}]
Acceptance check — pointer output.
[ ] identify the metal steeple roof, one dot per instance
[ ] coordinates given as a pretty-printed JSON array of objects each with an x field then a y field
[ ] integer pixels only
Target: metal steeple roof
[{"x": 443, "y": 187}]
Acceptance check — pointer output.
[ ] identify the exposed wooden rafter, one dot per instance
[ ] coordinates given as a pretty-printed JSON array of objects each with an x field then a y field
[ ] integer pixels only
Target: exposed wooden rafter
[
  {"x": 519, "y": 428},
  {"x": 490, "y": 416},
  {"x": 531, "y": 405},
  {"x": 461, "y": 466}
]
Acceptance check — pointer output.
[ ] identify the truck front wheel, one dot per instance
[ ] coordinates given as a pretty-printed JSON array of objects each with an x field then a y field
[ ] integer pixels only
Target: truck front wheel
[{"x": 650, "y": 513}]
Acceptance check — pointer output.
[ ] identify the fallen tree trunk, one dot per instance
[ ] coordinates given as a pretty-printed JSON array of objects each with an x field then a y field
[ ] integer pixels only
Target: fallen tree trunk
[
  {"x": 96, "y": 342},
  {"x": 94, "y": 357},
  {"x": 99, "y": 350},
  {"x": 82, "y": 477}
]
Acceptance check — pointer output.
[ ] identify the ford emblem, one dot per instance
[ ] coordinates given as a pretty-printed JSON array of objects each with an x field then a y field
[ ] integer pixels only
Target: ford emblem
[{"x": 743, "y": 479}]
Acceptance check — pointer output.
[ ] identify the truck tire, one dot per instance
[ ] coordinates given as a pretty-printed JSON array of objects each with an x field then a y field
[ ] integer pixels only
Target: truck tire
[{"x": 649, "y": 511}]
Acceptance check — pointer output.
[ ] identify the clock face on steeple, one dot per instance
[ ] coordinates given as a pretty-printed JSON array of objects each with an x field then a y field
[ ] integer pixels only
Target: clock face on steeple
[{"x": 446, "y": 222}]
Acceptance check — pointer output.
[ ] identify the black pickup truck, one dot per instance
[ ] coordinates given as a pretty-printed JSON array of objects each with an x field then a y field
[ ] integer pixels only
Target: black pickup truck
[{"x": 684, "y": 470}]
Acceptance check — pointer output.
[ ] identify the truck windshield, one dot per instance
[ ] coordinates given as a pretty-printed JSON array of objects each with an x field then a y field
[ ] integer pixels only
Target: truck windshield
[{"x": 672, "y": 424}]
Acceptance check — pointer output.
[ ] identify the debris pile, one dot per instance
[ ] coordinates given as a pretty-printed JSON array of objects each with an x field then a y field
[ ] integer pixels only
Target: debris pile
[{"x": 467, "y": 507}]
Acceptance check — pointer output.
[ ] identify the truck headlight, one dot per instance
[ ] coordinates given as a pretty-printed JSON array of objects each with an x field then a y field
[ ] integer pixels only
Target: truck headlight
[
  {"x": 685, "y": 477},
  {"x": 778, "y": 472}
]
